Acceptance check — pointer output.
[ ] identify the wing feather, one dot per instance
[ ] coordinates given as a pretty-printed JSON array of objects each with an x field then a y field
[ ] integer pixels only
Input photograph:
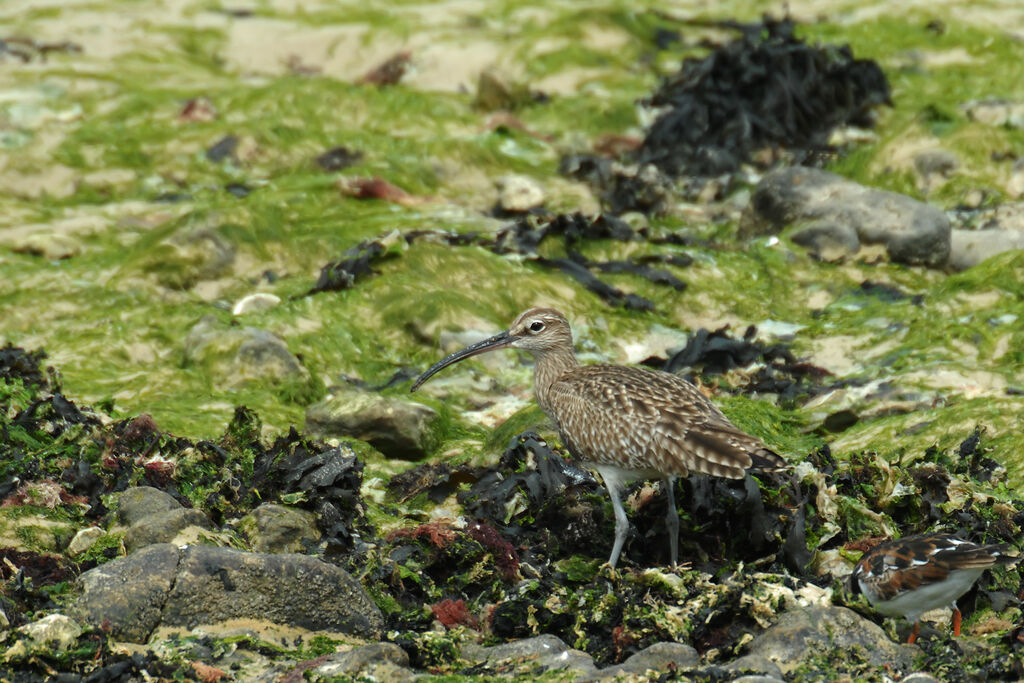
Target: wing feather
[{"x": 650, "y": 421}]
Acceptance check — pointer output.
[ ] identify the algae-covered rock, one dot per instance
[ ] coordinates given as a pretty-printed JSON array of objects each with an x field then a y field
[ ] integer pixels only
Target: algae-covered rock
[
  {"x": 127, "y": 595},
  {"x": 658, "y": 657},
  {"x": 190, "y": 256},
  {"x": 236, "y": 356},
  {"x": 139, "y": 502},
  {"x": 376, "y": 661},
  {"x": 219, "y": 584},
  {"x": 84, "y": 539},
  {"x": 275, "y": 528},
  {"x": 396, "y": 428},
  {"x": 173, "y": 526},
  {"x": 162, "y": 585},
  {"x": 826, "y": 641},
  {"x": 532, "y": 656}
]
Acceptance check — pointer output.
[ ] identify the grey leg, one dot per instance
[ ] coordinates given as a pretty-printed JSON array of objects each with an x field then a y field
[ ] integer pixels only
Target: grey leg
[
  {"x": 614, "y": 484},
  {"x": 672, "y": 519}
]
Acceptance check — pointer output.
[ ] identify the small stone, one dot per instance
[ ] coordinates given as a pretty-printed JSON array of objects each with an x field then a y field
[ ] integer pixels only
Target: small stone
[
  {"x": 377, "y": 661},
  {"x": 53, "y": 632},
  {"x": 51, "y": 246},
  {"x": 657, "y": 657},
  {"x": 396, "y": 428},
  {"x": 165, "y": 527},
  {"x": 237, "y": 356},
  {"x": 255, "y": 303},
  {"x": 139, "y": 502},
  {"x": 974, "y": 198},
  {"x": 496, "y": 90},
  {"x": 940, "y": 162},
  {"x": 996, "y": 112},
  {"x": 828, "y": 240},
  {"x": 189, "y": 257},
  {"x": 275, "y": 528},
  {"x": 533, "y": 655},
  {"x": 755, "y": 668},
  {"x": 970, "y": 247},
  {"x": 519, "y": 194},
  {"x": 84, "y": 540},
  {"x": 1015, "y": 184}
]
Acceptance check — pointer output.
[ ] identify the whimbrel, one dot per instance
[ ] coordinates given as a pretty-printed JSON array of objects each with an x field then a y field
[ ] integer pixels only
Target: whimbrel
[
  {"x": 625, "y": 422},
  {"x": 916, "y": 574}
]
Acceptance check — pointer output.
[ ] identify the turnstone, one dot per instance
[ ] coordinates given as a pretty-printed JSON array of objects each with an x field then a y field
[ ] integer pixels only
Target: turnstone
[{"x": 913, "y": 575}]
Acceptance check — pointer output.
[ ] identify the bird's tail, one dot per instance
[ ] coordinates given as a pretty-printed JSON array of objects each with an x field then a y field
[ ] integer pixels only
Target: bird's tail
[{"x": 767, "y": 461}]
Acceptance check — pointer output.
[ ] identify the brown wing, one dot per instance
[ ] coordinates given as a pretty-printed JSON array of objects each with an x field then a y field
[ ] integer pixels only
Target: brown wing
[
  {"x": 914, "y": 561},
  {"x": 645, "y": 420}
]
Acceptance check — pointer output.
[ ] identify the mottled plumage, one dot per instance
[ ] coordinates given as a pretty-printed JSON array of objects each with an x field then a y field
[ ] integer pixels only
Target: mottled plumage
[
  {"x": 626, "y": 422},
  {"x": 910, "y": 576}
]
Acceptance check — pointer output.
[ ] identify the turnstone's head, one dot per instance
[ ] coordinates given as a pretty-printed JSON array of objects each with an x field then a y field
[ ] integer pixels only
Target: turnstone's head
[{"x": 910, "y": 576}]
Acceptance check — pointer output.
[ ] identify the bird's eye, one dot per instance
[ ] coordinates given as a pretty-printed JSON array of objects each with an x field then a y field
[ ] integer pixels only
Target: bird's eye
[{"x": 536, "y": 326}]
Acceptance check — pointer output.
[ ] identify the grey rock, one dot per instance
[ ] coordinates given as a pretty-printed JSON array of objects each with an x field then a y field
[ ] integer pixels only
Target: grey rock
[
  {"x": 127, "y": 595},
  {"x": 216, "y": 584},
  {"x": 140, "y": 502},
  {"x": 396, "y": 428},
  {"x": 911, "y": 232},
  {"x": 273, "y": 528},
  {"x": 970, "y": 247},
  {"x": 657, "y": 657},
  {"x": 240, "y": 355},
  {"x": 162, "y": 586},
  {"x": 377, "y": 661},
  {"x": 759, "y": 679},
  {"x": 803, "y": 634},
  {"x": 533, "y": 656},
  {"x": 940, "y": 162},
  {"x": 163, "y": 527}
]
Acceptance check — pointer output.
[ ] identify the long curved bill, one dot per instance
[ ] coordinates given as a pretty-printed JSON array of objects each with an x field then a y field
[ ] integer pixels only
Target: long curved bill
[{"x": 498, "y": 341}]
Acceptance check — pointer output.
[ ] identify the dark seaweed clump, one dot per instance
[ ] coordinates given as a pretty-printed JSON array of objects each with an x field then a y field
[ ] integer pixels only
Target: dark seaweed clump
[
  {"x": 524, "y": 237},
  {"x": 767, "y": 89}
]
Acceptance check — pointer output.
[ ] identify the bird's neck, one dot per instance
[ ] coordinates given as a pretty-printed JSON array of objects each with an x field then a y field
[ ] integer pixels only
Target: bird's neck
[{"x": 551, "y": 365}]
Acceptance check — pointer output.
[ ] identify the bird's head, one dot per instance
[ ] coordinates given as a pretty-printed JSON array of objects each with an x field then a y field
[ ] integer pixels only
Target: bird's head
[{"x": 537, "y": 330}]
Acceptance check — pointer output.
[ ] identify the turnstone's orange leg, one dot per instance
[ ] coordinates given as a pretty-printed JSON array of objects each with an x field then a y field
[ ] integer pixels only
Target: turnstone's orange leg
[
  {"x": 913, "y": 634},
  {"x": 956, "y": 621}
]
